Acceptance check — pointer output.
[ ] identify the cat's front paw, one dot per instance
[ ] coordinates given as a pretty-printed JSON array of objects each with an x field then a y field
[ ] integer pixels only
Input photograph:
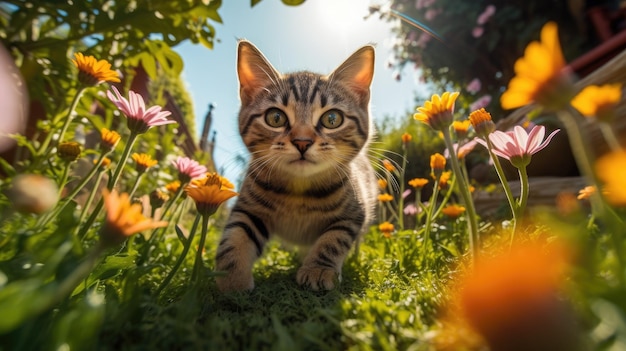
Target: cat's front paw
[
  {"x": 318, "y": 278},
  {"x": 233, "y": 283}
]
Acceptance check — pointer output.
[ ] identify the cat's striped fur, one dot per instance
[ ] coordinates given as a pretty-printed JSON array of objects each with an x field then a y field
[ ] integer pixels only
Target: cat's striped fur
[{"x": 309, "y": 180}]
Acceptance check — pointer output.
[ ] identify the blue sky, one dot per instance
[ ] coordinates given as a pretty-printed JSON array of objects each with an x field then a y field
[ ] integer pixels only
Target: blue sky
[{"x": 315, "y": 36}]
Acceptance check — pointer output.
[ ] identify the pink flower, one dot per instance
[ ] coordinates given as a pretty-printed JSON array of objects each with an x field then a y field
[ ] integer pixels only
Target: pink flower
[
  {"x": 473, "y": 86},
  {"x": 138, "y": 119},
  {"x": 188, "y": 169},
  {"x": 517, "y": 145},
  {"x": 486, "y": 15},
  {"x": 482, "y": 102},
  {"x": 462, "y": 151},
  {"x": 477, "y": 32},
  {"x": 410, "y": 209}
]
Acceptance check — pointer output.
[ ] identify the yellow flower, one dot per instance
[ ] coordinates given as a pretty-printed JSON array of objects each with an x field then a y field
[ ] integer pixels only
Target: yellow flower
[
  {"x": 453, "y": 211},
  {"x": 598, "y": 101},
  {"x": 143, "y": 162},
  {"x": 109, "y": 139},
  {"x": 611, "y": 170},
  {"x": 418, "y": 182},
  {"x": 173, "y": 187},
  {"x": 586, "y": 192},
  {"x": 93, "y": 72},
  {"x": 385, "y": 197},
  {"x": 386, "y": 228},
  {"x": 123, "y": 219},
  {"x": 482, "y": 123},
  {"x": 388, "y": 166},
  {"x": 437, "y": 112},
  {"x": 209, "y": 193},
  {"x": 540, "y": 75},
  {"x": 461, "y": 128},
  {"x": 69, "y": 151}
]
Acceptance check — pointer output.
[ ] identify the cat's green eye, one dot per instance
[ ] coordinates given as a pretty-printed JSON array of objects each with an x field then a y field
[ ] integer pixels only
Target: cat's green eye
[
  {"x": 275, "y": 118},
  {"x": 332, "y": 119}
]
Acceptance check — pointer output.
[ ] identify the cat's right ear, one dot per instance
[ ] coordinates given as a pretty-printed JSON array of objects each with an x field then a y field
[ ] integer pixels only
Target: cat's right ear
[{"x": 254, "y": 71}]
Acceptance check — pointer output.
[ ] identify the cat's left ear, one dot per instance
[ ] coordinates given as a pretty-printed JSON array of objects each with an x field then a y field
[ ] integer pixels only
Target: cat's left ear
[{"x": 357, "y": 71}]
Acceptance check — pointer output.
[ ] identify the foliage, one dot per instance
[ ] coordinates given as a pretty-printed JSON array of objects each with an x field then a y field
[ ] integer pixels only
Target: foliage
[
  {"x": 42, "y": 35},
  {"x": 468, "y": 50}
]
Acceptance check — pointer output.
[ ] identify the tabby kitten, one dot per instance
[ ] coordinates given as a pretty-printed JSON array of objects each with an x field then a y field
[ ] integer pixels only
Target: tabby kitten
[{"x": 309, "y": 180}]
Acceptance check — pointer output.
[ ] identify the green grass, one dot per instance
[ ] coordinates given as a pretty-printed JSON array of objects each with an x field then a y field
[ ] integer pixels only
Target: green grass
[{"x": 387, "y": 299}]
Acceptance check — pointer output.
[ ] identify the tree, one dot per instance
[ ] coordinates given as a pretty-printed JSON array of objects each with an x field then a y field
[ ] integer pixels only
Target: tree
[{"x": 474, "y": 44}]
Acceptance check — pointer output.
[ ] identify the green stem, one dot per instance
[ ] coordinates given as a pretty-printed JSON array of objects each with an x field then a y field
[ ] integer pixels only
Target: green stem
[
  {"x": 465, "y": 194},
  {"x": 446, "y": 198},
  {"x": 92, "y": 195},
  {"x": 431, "y": 210},
  {"x": 183, "y": 255},
  {"x": 418, "y": 203},
  {"x": 68, "y": 119},
  {"x": 156, "y": 232},
  {"x": 122, "y": 163},
  {"x": 64, "y": 176},
  {"x": 74, "y": 192},
  {"x": 135, "y": 186},
  {"x": 81, "y": 272},
  {"x": 523, "y": 200},
  {"x": 196, "y": 274},
  {"x": 401, "y": 199},
  {"x": 609, "y": 136},
  {"x": 505, "y": 185}
]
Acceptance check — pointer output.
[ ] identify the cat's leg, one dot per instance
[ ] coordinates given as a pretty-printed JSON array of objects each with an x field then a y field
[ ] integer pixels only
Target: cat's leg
[
  {"x": 241, "y": 244},
  {"x": 321, "y": 267}
]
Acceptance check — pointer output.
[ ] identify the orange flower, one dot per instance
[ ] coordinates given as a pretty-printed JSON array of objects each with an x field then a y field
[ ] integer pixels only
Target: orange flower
[
  {"x": 209, "y": 193},
  {"x": 482, "y": 123},
  {"x": 388, "y": 166},
  {"x": 510, "y": 299},
  {"x": 93, "y": 72},
  {"x": 406, "y": 138},
  {"x": 385, "y": 197},
  {"x": 437, "y": 112},
  {"x": 541, "y": 75},
  {"x": 123, "y": 219},
  {"x": 418, "y": 182},
  {"x": 598, "y": 101},
  {"x": 453, "y": 211},
  {"x": 386, "y": 228},
  {"x": 611, "y": 170},
  {"x": 382, "y": 184},
  {"x": 437, "y": 164},
  {"x": 109, "y": 139},
  {"x": 143, "y": 162},
  {"x": 444, "y": 179},
  {"x": 106, "y": 162}
]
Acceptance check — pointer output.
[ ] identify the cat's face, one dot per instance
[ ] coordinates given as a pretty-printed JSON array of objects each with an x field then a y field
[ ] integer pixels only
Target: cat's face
[{"x": 303, "y": 123}]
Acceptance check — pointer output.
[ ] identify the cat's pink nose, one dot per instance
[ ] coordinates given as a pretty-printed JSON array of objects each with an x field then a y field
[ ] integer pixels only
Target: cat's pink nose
[{"x": 302, "y": 144}]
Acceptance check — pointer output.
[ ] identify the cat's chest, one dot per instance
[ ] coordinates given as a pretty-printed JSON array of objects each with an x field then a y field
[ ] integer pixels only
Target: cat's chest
[{"x": 297, "y": 222}]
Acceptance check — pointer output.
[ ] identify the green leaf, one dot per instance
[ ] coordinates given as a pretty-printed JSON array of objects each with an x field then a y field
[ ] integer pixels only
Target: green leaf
[
  {"x": 7, "y": 168},
  {"x": 254, "y": 2},
  {"x": 180, "y": 235},
  {"x": 149, "y": 64},
  {"x": 111, "y": 266}
]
